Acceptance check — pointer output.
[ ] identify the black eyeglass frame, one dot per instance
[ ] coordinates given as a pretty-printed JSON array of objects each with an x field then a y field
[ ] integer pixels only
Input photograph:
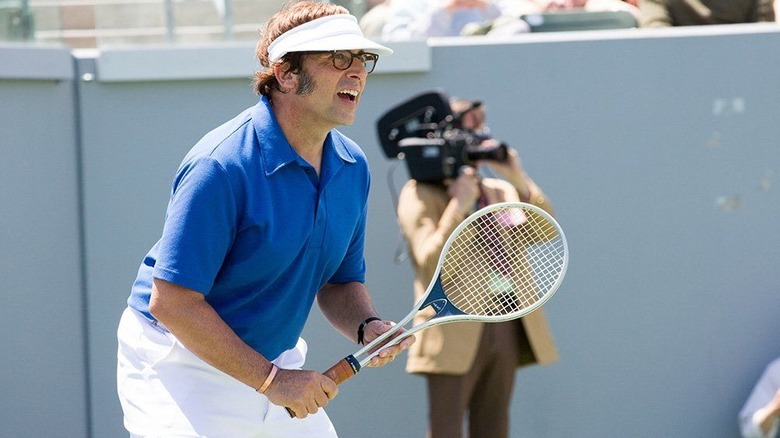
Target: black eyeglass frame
[{"x": 366, "y": 58}]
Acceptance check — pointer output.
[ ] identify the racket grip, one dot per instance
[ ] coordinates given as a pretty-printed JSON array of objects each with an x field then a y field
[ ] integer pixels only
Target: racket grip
[
  {"x": 339, "y": 373},
  {"x": 343, "y": 370}
]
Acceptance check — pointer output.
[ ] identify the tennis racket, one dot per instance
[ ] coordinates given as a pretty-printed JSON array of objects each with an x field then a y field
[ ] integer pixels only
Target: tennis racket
[{"x": 501, "y": 263}]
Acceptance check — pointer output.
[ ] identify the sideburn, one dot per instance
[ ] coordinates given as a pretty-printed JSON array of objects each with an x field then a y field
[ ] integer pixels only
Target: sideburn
[{"x": 306, "y": 83}]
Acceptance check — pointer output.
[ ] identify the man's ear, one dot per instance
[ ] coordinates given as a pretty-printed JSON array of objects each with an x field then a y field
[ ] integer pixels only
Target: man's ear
[{"x": 284, "y": 76}]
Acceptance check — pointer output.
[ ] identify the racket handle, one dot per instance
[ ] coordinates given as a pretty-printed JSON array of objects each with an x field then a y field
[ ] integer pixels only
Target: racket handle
[
  {"x": 339, "y": 373},
  {"x": 343, "y": 370}
]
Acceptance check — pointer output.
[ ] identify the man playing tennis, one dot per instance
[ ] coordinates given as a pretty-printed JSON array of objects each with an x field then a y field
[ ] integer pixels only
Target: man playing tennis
[{"x": 267, "y": 212}]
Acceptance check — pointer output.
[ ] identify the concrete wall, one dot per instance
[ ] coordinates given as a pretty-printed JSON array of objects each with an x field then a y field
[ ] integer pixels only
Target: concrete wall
[
  {"x": 44, "y": 342},
  {"x": 658, "y": 148}
]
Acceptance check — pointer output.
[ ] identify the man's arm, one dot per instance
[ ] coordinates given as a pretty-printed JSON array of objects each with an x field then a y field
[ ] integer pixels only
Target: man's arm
[
  {"x": 427, "y": 217},
  {"x": 759, "y": 416},
  {"x": 197, "y": 325},
  {"x": 766, "y": 417},
  {"x": 761, "y": 422},
  {"x": 346, "y": 306},
  {"x": 512, "y": 171}
]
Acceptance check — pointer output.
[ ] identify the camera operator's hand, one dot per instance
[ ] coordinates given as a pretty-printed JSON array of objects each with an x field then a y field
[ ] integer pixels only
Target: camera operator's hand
[
  {"x": 464, "y": 190},
  {"x": 511, "y": 170}
]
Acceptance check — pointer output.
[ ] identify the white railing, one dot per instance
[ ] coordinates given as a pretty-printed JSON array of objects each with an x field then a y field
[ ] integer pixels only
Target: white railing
[{"x": 97, "y": 23}]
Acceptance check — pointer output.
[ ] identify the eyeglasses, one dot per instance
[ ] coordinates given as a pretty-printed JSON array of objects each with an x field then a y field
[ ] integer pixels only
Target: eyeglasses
[{"x": 342, "y": 59}]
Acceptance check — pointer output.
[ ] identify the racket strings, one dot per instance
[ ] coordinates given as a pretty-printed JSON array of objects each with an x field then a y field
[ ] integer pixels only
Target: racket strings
[{"x": 502, "y": 262}]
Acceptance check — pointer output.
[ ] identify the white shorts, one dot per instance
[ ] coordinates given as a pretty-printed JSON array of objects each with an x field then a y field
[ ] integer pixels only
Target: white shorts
[{"x": 167, "y": 391}]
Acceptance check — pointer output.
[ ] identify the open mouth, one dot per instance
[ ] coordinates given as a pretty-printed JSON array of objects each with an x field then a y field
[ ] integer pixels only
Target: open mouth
[{"x": 350, "y": 95}]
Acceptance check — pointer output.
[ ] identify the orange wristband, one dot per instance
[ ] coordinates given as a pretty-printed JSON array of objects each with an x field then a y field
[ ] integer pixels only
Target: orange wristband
[{"x": 269, "y": 379}]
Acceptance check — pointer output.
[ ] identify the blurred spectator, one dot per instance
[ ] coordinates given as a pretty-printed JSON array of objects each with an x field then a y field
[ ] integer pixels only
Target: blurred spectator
[
  {"x": 589, "y": 5},
  {"x": 510, "y": 23},
  {"x": 375, "y": 17},
  {"x": 759, "y": 417},
  {"x": 663, "y": 13},
  {"x": 416, "y": 19},
  {"x": 614, "y": 5}
]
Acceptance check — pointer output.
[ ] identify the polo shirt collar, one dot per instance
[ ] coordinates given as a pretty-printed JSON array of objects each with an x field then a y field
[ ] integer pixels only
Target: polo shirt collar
[{"x": 276, "y": 151}]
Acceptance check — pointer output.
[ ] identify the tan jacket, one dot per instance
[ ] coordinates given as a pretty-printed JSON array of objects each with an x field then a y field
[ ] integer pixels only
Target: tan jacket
[{"x": 451, "y": 348}]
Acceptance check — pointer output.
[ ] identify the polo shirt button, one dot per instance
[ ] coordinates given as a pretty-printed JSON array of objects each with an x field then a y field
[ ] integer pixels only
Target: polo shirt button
[{"x": 320, "y": 221}]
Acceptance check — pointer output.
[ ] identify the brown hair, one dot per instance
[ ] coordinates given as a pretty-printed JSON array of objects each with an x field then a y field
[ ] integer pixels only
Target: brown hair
[{"x": 292, "y": 14}]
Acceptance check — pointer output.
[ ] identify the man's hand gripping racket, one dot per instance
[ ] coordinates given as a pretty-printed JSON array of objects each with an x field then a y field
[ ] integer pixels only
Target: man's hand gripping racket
[{"x": 501, "y": 263}]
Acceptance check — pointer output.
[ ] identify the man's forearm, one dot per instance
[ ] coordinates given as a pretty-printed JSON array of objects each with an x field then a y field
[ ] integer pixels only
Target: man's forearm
[
  {"x": 765, "y": 418},
  {"x": 198, "y": 326},
  {"x": 345, "y": 306}
]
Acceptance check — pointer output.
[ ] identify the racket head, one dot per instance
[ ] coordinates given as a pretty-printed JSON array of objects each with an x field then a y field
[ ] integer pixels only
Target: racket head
[{"x": 501, "y": 263}]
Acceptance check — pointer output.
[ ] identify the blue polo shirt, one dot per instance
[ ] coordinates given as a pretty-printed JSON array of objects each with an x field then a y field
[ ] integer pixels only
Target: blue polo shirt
[{"x": 251, "y": 226}]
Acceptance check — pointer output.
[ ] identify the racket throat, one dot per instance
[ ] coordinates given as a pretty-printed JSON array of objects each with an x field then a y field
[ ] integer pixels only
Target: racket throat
[{"x": 438, "y": 301}]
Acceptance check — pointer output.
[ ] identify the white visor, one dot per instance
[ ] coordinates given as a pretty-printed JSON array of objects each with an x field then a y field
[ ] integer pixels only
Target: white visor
[{"x": 331, "y": 32}]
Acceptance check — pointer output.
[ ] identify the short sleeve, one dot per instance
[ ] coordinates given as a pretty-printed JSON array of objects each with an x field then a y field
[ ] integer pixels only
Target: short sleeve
[{"x": 200, "y": 224}]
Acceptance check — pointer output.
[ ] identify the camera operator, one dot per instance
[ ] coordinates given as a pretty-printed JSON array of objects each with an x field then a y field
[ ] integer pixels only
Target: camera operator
[{"x": 469, "y": 367}]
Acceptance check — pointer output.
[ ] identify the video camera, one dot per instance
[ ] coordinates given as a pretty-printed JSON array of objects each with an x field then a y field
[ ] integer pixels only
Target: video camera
[{"x": 424, "y": 132}]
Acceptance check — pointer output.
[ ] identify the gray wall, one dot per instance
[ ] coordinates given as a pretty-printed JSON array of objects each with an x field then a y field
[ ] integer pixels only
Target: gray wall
[
  {"x": 658, "y": 148},
  {"x": 43, "y": 386}
]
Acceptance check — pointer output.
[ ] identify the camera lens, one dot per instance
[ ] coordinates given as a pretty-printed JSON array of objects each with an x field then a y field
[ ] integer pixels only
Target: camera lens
[{"x": 495, "y": 153}]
